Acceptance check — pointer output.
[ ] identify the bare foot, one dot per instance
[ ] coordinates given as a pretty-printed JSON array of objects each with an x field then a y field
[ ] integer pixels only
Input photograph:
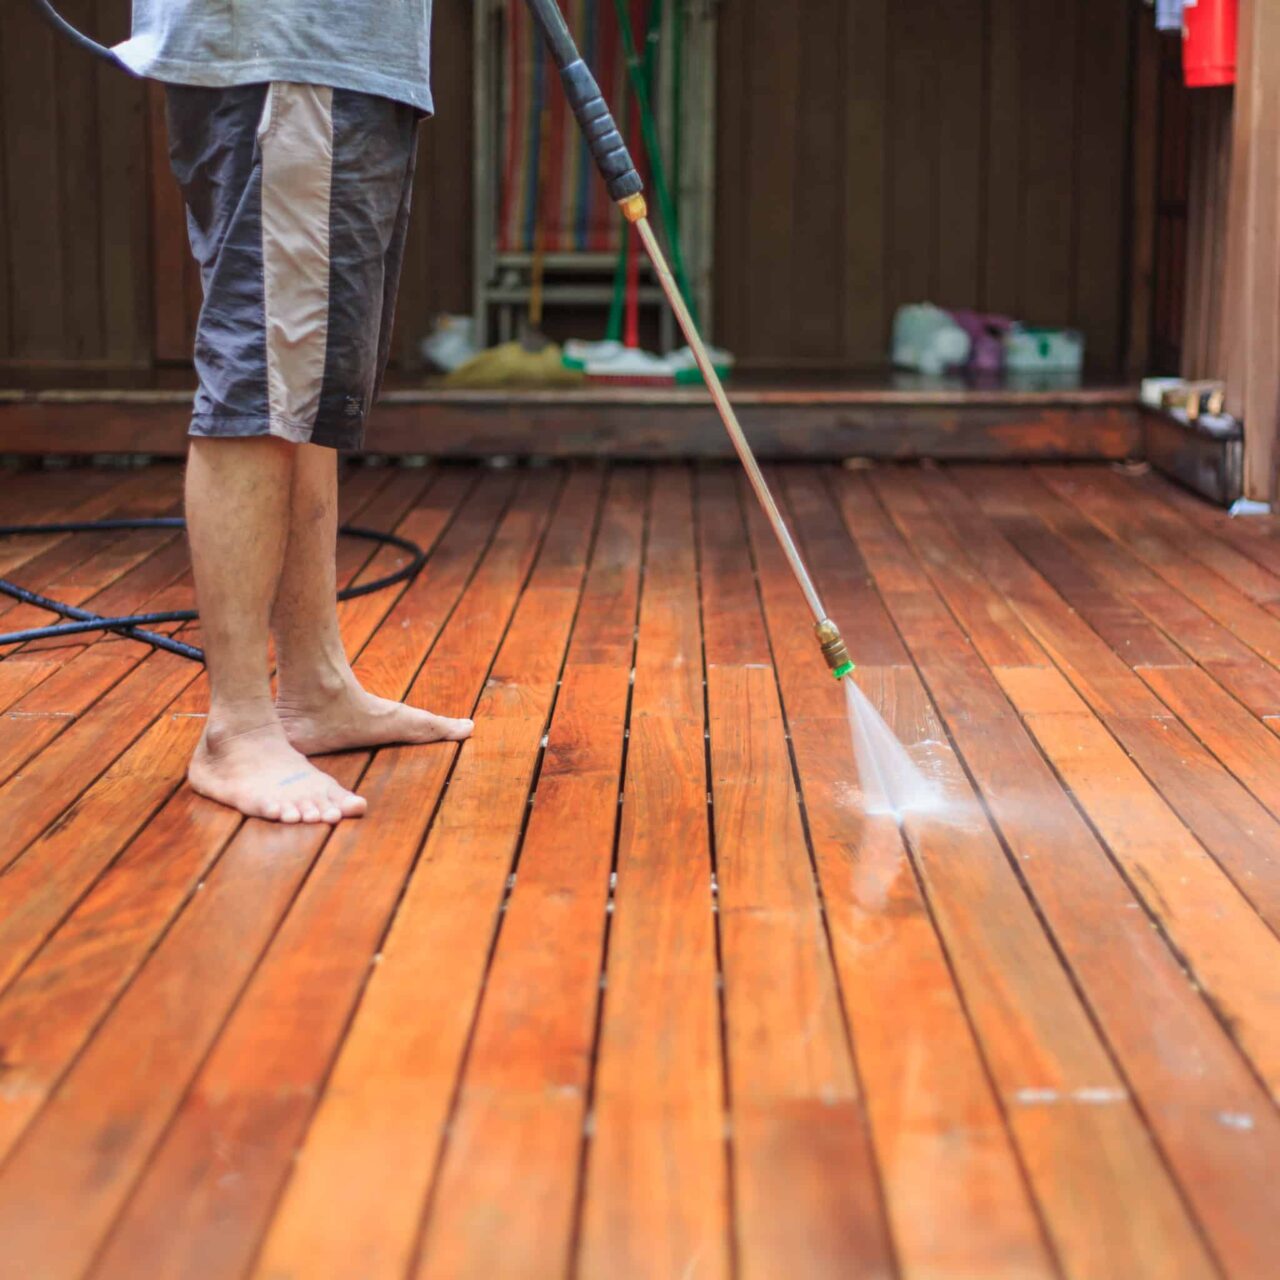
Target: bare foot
[
  {"x": 257, "y": 772},
  {"x": 347, "y": 717}
]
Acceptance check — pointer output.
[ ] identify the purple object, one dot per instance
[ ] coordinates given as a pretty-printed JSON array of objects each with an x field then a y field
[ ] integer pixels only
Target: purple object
[{"x": 986, "y": 332}]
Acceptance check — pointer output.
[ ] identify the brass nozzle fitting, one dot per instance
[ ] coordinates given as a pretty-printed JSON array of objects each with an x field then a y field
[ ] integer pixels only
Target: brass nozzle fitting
[
  {"x": 834, "y": 649},
  {"x": 634, "y": 208}
]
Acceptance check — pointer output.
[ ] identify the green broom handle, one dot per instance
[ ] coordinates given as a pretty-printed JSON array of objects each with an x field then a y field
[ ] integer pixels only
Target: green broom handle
[
  {"x": 607, "y": 146},
  {"x": 653, "y": 144}
]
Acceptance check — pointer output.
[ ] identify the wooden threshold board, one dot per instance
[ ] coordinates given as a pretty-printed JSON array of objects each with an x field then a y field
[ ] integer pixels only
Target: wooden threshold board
[{"x": 823, "y": 422}]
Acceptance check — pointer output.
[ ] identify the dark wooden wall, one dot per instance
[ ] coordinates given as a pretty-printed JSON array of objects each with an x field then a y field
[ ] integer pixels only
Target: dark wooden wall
[
  {"x": 74, "y": 270},
  {"x": 94, "y": 274},
  {"x": 876, "y": 152}
]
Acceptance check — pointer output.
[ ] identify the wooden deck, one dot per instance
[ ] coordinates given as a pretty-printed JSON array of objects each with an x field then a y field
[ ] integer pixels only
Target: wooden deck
[{"x": 629, "y": 986}]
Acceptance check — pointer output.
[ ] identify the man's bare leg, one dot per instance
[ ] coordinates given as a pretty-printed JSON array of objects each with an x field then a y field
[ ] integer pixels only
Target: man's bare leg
[
  {"x": 238, "y": 519},
  {"x": 320, "y": 702}
]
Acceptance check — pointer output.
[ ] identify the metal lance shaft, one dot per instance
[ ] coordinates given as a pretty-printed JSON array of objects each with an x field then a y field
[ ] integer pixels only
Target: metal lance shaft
[
  {"x": 609, "y": 150},
  {"x": 833, "y": 647}
]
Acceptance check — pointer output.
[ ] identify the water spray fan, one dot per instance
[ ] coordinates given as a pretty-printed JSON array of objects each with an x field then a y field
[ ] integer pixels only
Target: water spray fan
[{"x": 609, "y": 150}]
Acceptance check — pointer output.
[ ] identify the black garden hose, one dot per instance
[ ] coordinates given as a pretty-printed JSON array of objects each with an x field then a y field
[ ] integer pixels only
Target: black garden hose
[
  {"x": 63, "y": 27},
  {"x": 134, "y": 625}
]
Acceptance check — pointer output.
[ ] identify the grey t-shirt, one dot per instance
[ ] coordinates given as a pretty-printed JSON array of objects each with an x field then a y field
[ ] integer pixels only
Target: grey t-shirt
[{"x": 373, "y": 46}]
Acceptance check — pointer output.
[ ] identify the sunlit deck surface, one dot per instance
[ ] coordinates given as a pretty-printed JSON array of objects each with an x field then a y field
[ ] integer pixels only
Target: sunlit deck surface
[{"x": 629, "y": 986}]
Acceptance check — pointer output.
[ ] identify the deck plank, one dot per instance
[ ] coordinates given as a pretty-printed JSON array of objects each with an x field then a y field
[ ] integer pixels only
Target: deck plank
[
  {"x": 75, "y": 566},
  {"x": 92, "y": 496},
  {"x": 34, "y": 559},
  {"x": 954, "y": 1190},
  {"x": 187, "y": 987},
  {"x": 1234, "y": 826},
  {"x": 1235, "y": 666},
  {"x": 656, "y": 1187},
  {"x": 1209, "y": 922},
  {"x": 1254, "y": 537},
  {"x": 55, "y": 870},
  {"x": 1243, "y": 744},
  {"x": 631, "y": 984},
  {"x": 1097, "y": 924},
  {"x": 1176, "y": 556},
  {"x": 395, "y": 1078},
  {"x": 1064, "y": 1094},
  {"x": 291, "y": 1017},
  {"x": 799, "y": 1128},
  {"x": 505, "y": 1197},
  {"x": 99, "y": 947}
]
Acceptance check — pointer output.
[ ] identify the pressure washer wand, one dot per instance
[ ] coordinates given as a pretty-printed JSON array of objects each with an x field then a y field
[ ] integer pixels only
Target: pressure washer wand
[{"x": 609, "y": 150}]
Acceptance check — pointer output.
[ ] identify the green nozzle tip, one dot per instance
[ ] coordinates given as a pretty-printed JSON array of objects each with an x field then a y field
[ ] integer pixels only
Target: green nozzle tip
[{"x": 842, "y": 670}]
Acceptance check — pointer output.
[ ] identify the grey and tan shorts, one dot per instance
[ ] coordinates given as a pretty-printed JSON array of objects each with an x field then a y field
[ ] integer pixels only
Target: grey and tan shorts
[{"x": 297, "y": 206}]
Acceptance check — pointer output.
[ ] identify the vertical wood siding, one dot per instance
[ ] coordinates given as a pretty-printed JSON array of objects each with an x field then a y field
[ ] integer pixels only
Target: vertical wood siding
[
  {"x": 872, "y": 153},
  {"x": 74, "y": 254},
  {"x": 876, "y": 153}
]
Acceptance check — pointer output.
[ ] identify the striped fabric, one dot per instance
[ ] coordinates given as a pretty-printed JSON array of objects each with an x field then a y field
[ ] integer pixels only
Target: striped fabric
[
  {"x": 297, "y": 207},
  {"x": 578, "y": 215}
]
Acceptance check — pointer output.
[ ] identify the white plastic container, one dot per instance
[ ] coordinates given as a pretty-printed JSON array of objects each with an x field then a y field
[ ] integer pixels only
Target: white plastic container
[
  {"x": 928, "y": 340},
  {"x": 1043, "y": 350}
]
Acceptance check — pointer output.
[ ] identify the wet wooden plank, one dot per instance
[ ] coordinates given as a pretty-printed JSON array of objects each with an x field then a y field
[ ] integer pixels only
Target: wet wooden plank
[
  {"x": 85, "y": 570},
  {"x": 1063, "y": 1049},
  {"x": 187, "y": 987},
  {"x": 656, "y": 1190},
  {"x": 1175, "y": 558},
  {"x": 51, "y": 563},
  {"x": 1254, "y": 537},
  {"x": 93, "y": 1137},
  {"x": 47, "y": 788},
  {"x": 1160, "y": 1030},
  {"x": 1221, "y": 554},
  {"x": 1205, "y": 915},
  {"x": 81, "y": 840},
  {"x": 1240, "y": 833},
  {"x": 800, "y": 1136},
  {"x": 1234, "y": 734},
  {"x": 394, "y": 1080},
  {"x": 1234, "y": 665},
  {"x": 954, "y": 1191},
  {"x": 108, "y": 934},
  {"x": 505, "y": 1198},
  {"x": 46, "y": 497},
  {"x": 1231, "y": 953},
  {"x": 1066, "y": 1100}
]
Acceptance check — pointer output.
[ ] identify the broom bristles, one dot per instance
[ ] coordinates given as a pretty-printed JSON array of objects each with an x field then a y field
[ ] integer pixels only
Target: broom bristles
[{"x": 512, "y": 365}]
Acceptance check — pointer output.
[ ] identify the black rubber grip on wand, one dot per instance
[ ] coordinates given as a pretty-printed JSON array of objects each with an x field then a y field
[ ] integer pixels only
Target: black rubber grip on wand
[{"x": 607, "y": 146}]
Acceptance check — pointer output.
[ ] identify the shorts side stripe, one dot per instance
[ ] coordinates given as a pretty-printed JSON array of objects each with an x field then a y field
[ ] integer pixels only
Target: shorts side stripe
[{"x": 296, "y": 141}]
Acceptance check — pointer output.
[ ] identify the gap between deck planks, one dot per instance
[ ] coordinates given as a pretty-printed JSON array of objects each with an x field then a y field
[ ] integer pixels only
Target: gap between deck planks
[{"x": 1032, "y": 1039}]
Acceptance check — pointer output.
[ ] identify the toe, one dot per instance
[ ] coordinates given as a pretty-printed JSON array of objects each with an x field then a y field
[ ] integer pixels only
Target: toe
[
  {"x": 461, "y": 730},
  {"x": 310, "y": 812},
  {"x": 352, "y": 805},
  {"x": 290, "y": 813},
  {"x": 331, "y": 814},
  {"x": 271, "y": 811}
]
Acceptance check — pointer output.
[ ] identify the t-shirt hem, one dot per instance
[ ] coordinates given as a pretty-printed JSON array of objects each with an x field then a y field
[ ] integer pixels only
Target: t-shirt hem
[{"x": 224, "y": 75}]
